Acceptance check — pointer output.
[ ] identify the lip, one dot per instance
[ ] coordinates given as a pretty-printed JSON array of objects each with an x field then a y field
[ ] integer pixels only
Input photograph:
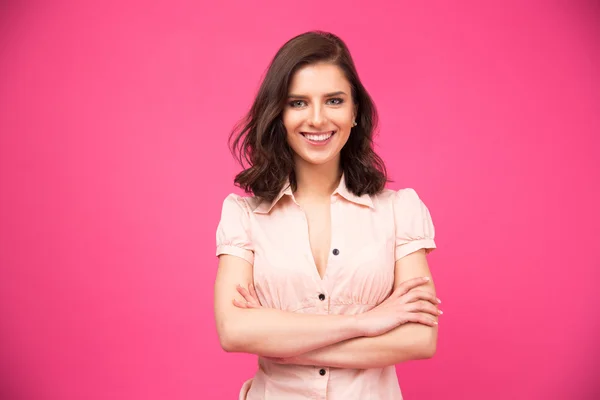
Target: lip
[{"x": 321, "y": 143}]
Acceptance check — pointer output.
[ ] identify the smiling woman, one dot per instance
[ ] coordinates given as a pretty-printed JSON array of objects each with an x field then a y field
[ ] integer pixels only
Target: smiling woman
[
  {"x": 311, "y": 80},
  {"x": 320, "y": 112},
  {"x": 321, "y": 259}
]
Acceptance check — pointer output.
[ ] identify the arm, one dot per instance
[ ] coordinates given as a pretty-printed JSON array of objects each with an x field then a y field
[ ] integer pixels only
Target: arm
[
  {"x": 270, "y": 332},
  {"x": 276, "y": 333},
  {"x": 410, "y": 341}
]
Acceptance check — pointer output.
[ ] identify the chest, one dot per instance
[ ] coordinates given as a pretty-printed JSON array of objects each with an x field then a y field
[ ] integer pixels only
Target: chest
[
  {"x": 318, "y": 220},
  {"x": 344, "y": 251}
]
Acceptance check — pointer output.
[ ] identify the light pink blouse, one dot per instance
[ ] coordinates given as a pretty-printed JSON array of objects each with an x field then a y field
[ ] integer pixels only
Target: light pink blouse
[{"x": 368, "y": 234}]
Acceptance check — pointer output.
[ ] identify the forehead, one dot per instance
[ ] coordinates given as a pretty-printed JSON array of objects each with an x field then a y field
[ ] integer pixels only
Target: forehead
[{"x": 318, "y": 78}]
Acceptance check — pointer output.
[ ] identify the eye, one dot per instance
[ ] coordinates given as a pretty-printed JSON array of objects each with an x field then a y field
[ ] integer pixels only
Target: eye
[
  {"x": 336, "y": 101},
  {"x": 296, "y": 103}
]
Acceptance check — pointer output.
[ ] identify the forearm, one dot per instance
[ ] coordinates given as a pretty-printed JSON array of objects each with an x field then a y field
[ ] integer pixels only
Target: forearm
[
  {"x": 407, "y": 342},
  {"x": 275, "y": 333}
]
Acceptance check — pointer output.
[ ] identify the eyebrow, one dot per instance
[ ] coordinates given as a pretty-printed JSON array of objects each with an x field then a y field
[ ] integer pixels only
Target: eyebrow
[{"x": 297, "y": 96}]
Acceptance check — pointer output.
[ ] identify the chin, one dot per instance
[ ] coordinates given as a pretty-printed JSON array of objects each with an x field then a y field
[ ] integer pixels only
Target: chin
[
  {"x": 316, "y": 156},
  {"x": 319, "y": 160}
]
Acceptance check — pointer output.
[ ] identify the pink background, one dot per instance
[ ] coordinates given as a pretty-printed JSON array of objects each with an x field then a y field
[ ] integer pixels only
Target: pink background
[{"x": 113, "y": 168}]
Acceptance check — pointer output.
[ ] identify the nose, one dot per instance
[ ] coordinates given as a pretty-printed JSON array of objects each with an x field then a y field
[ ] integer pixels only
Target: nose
[{"x": 317, "y": 117}]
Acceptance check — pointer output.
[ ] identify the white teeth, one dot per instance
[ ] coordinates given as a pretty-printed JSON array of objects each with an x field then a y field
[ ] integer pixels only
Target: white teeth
[{"x": 318, "y": 138}]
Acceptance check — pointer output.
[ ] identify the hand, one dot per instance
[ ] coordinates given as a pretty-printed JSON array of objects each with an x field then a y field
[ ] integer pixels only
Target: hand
[
  {"x": 404, "y": 305},
  {"x": 250, "y": 297}
]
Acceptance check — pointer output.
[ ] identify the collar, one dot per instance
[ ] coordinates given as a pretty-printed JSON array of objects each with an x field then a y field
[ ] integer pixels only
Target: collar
[{"x": 264, "y": 207}]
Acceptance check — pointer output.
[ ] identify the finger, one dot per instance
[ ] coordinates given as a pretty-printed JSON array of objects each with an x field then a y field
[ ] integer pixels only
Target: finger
[
  {"x": 253, "y": 293},
  {"x": 405, "y": 286},
  {"x": 424, "y": 307},
  {"x": 421, "y": 319},
  {"x": 252, "y": 302},
  {"x": 416, "y": 294},
  {"x": 244, "y": 292},
  {"x": 240, "y": 304}
]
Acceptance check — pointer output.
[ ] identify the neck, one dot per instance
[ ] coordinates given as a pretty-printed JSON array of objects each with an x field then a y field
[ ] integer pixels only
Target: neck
[{"x": 317, "y": 181}]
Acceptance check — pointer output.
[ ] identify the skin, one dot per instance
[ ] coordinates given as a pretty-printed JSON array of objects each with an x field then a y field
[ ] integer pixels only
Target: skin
[
  {"x": 404, "y": 327},
  {"x": 319, "y": 101}
]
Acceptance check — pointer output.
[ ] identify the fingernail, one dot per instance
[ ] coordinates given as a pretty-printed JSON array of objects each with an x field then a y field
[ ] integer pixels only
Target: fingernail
[
  {"x": 440, "y": 311},
  {"x": 435, "y": 322},
  {"x": 439, "y": 301},
  {"x": 426, "y": 278}
]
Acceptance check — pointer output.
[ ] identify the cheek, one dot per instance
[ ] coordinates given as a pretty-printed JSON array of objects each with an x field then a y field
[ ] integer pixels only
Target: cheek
[
  {"x": 342, "y": 117},
  {"x": 291, "y": 121}
]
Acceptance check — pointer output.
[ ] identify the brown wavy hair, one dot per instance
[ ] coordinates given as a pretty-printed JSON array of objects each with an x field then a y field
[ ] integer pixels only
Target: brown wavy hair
[{"x": 260, "y": 139}]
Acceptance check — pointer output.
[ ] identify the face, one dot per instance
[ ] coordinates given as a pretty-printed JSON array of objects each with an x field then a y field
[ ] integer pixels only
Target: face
[{"x": 318, "y": 114}]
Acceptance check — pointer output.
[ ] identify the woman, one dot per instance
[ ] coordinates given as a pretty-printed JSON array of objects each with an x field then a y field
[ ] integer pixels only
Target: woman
[{"x": 322, "y": 272}]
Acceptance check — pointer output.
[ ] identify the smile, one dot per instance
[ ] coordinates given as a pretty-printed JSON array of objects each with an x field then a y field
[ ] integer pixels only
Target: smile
[{"x": 318, "y": 137}]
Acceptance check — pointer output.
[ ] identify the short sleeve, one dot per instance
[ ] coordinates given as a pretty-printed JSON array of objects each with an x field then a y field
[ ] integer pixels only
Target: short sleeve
[
  {"x": 413, "y": 224},
  {"x": 233, "y": 230}
]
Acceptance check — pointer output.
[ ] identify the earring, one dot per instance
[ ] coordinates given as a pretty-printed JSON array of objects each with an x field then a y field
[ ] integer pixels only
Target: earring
[{"x": 354, "y": 123}]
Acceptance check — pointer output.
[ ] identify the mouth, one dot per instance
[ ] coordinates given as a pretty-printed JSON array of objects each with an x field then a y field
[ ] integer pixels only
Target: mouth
[{"x": 318, "y": 138}]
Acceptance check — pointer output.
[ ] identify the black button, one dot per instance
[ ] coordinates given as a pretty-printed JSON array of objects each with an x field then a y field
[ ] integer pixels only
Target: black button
[
  {"x": 322, "y": 372},
  {"x": 336, "y": 252},
  {"x": 321, "y": 297}
]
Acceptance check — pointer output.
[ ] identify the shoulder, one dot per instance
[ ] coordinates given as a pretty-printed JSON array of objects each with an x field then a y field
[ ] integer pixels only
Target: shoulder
[
  {"x": 397, "y": 197},
  {"x": 236, "y": 203},
  {"x": 234, "y": 198}
]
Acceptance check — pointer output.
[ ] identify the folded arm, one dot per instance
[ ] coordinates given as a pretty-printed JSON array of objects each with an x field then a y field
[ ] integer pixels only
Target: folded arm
[
  {"x": 269, "y": 332},
  {"x": 410, "y": 341}
]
